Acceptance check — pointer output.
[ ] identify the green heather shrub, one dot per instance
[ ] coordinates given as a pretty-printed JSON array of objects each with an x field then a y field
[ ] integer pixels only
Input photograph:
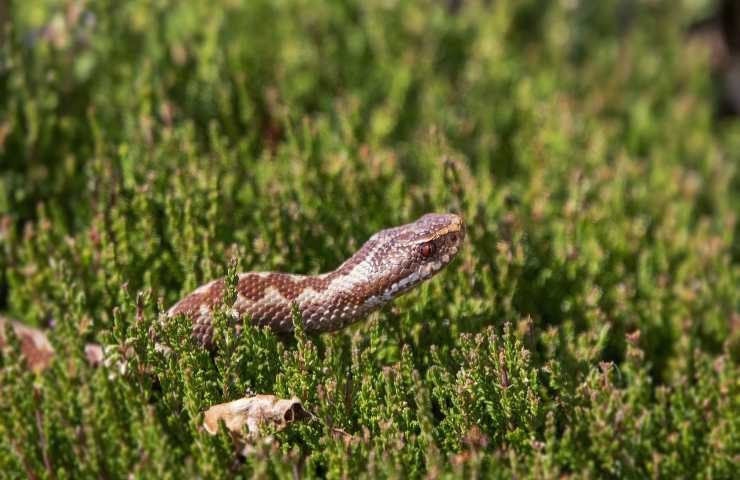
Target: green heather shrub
[{"x": 589, "y": 328}]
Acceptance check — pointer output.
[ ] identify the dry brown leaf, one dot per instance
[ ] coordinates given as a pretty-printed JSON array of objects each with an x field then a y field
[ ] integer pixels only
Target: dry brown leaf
[
  {"x": 94, "y": 354},
  {"x": 254, "y": 412},
  {"x": 35, "y": 347}
]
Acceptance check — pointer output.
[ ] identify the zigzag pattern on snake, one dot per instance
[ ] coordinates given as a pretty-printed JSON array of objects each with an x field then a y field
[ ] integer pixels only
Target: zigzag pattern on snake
[{"x": 390, "y": 263}]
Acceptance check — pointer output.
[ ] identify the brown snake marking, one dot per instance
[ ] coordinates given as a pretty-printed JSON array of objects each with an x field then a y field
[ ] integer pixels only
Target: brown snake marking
[{"x": 390, "y": 263}]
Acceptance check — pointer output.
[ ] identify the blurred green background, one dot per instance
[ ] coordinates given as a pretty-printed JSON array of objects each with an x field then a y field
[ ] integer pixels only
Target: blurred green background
[{"x": 590, "y": 327}]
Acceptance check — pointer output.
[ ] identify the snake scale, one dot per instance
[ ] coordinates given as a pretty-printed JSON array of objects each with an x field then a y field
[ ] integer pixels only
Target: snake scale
[{"x": 392, "y": 262}]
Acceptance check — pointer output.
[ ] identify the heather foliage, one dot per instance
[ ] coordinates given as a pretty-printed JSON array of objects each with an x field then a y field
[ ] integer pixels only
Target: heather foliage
[{"x": 590, "y": 327}]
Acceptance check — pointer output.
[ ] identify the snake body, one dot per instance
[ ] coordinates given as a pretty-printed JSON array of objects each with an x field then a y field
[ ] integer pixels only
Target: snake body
[{"x": 390, "y": 263}]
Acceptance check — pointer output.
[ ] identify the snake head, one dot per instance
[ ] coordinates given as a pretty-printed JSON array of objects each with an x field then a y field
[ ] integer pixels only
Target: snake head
[
  {"x": 405, "y": 256},
  {"x": 435, "y": 240}
]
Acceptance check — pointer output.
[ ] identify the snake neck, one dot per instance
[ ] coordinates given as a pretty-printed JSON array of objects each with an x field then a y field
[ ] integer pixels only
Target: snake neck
[{"x": 361, "y": 282}]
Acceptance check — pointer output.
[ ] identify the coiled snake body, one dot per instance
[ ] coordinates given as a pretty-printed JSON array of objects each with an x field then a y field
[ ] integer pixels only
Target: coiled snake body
[{"x": 390, "y": 263}]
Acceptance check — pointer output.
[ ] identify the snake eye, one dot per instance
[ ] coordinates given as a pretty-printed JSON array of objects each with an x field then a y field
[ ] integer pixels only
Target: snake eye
[{"x": 427, "y": 249}]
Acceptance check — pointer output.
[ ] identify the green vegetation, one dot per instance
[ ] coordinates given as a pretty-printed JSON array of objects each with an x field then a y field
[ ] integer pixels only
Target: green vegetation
[{"x": 590, "y": 327}]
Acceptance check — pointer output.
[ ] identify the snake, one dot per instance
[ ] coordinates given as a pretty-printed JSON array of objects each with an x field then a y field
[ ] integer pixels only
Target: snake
[{"x": 390, "y": 263}]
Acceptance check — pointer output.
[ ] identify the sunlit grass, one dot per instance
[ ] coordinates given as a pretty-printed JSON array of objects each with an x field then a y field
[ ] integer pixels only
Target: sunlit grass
[{"x": 589, "y": 327}]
